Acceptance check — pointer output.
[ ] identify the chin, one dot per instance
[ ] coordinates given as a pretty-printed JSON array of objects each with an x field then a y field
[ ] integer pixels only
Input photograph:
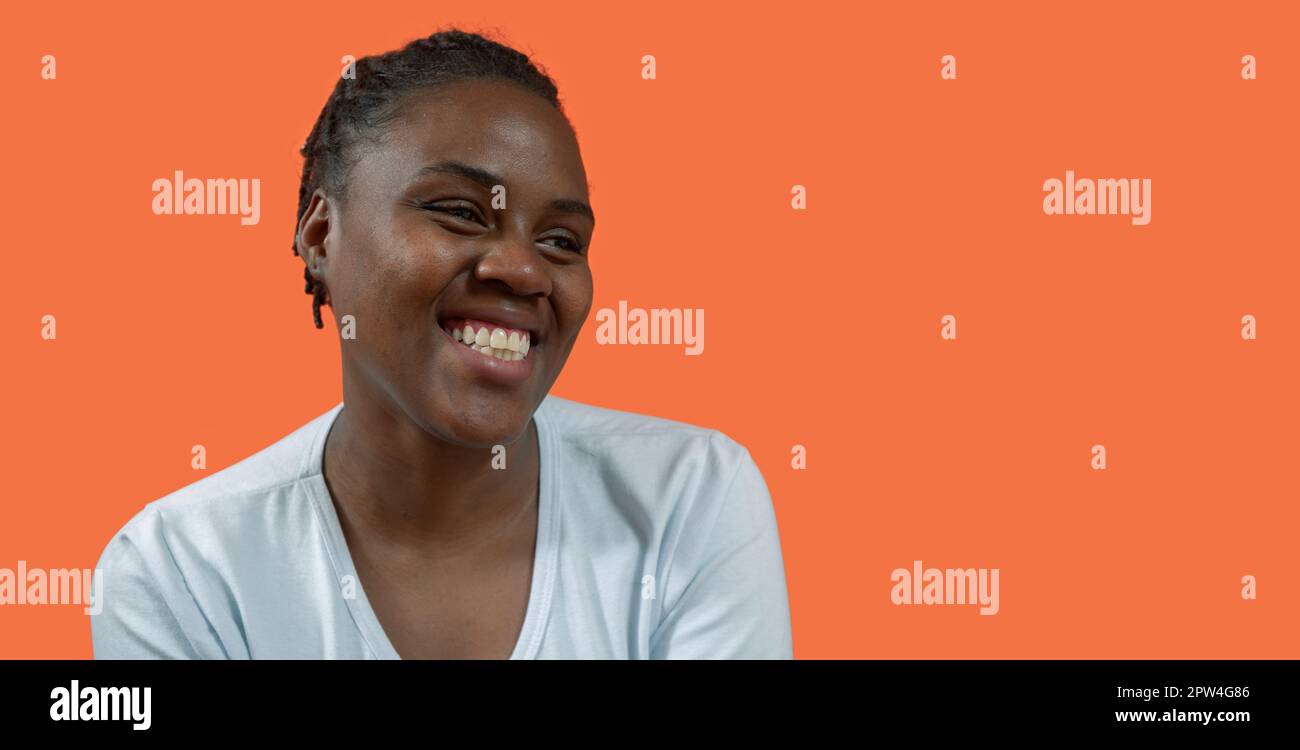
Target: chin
[{"x": 487, "y": 427}]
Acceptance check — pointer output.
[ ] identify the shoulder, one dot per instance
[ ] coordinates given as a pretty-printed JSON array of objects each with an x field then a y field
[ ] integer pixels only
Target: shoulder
[
  {"x": 285, "y": 461},
  {"x": 693, "y": 504},
  {"x": 666, "y": 477},
  {"x": 226, "y": 505},
  {"x": 172, "y": 573},
  {"x": 625, "y": 442}
]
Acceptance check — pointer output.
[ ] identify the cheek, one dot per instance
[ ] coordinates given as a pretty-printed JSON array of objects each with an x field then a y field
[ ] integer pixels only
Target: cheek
[
  {"x": 403, "y": 273},
  {"x": 572, "y": 294}
]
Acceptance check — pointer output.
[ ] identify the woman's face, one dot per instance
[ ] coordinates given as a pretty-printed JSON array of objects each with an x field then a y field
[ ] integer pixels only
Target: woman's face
[{"x": 471, "y": 210}]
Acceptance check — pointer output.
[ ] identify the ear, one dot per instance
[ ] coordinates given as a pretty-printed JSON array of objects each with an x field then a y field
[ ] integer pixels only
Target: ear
[{"x": 313, "y": 238}]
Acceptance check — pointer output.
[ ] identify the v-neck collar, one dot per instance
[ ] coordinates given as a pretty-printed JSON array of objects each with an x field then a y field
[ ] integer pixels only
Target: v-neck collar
[{"x": 545, "y": 552}]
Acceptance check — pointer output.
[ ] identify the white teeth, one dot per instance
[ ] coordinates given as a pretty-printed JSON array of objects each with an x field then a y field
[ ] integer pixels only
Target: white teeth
[{"x": 494, "y": 342}]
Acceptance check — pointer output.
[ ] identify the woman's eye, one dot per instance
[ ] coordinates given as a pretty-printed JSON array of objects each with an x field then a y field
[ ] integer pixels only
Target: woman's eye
[
  {"x": 568, "y": 244},
  {"x": 461, "y": 212}
]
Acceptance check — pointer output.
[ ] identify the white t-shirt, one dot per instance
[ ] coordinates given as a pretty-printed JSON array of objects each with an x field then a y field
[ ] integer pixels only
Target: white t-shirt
[{"x": 656, "y": 539}]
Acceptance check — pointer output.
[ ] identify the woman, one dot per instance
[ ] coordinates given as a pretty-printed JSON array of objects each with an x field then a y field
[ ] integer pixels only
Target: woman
[{"x": 449, "y": 507}]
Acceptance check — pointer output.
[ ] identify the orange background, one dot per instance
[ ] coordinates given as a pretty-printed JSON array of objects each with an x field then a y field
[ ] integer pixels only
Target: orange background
[{"x": 822, "y": 326}]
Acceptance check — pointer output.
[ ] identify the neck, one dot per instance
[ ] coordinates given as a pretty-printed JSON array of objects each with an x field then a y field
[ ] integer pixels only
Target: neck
[{"x": 392, "y": 478}]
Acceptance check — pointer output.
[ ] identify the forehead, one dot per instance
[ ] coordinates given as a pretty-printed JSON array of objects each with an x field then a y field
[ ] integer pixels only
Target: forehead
[{"x": 496, "y": 125}]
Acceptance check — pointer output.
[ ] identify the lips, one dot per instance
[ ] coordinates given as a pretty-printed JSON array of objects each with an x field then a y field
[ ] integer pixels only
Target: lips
[
  {"x": 493, "y": 316},
  {"x": 507, "y": 359},
  {"x": 493, "y": 342}
]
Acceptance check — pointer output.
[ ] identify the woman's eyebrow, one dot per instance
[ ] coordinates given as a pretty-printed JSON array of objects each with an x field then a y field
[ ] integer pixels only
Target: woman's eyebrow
[
  {"x": 489, "y": 180},
  {"x": 477, "y": 174},
  {"x": 574, "y": 207}
]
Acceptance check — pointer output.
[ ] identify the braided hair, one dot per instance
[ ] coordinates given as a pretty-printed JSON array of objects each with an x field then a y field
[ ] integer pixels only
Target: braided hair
[{"x": 359, "y": 106}]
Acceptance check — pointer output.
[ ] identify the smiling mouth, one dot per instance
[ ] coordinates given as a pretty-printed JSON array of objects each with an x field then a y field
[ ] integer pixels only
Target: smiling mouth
[{"x": 488, "y": 339}]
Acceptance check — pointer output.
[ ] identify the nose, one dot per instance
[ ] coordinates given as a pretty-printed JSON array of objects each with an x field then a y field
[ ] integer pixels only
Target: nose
[{"x": 514, "y": 262}]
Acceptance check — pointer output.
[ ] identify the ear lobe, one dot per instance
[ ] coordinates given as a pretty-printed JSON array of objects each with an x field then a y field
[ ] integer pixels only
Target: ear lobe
[{"x": 314, "y": 268}]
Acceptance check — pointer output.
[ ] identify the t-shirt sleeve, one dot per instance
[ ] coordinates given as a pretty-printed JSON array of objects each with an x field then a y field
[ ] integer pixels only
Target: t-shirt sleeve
[
  {"x": 735, "y": 604},
  {"x": 146, "y": 610}
]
